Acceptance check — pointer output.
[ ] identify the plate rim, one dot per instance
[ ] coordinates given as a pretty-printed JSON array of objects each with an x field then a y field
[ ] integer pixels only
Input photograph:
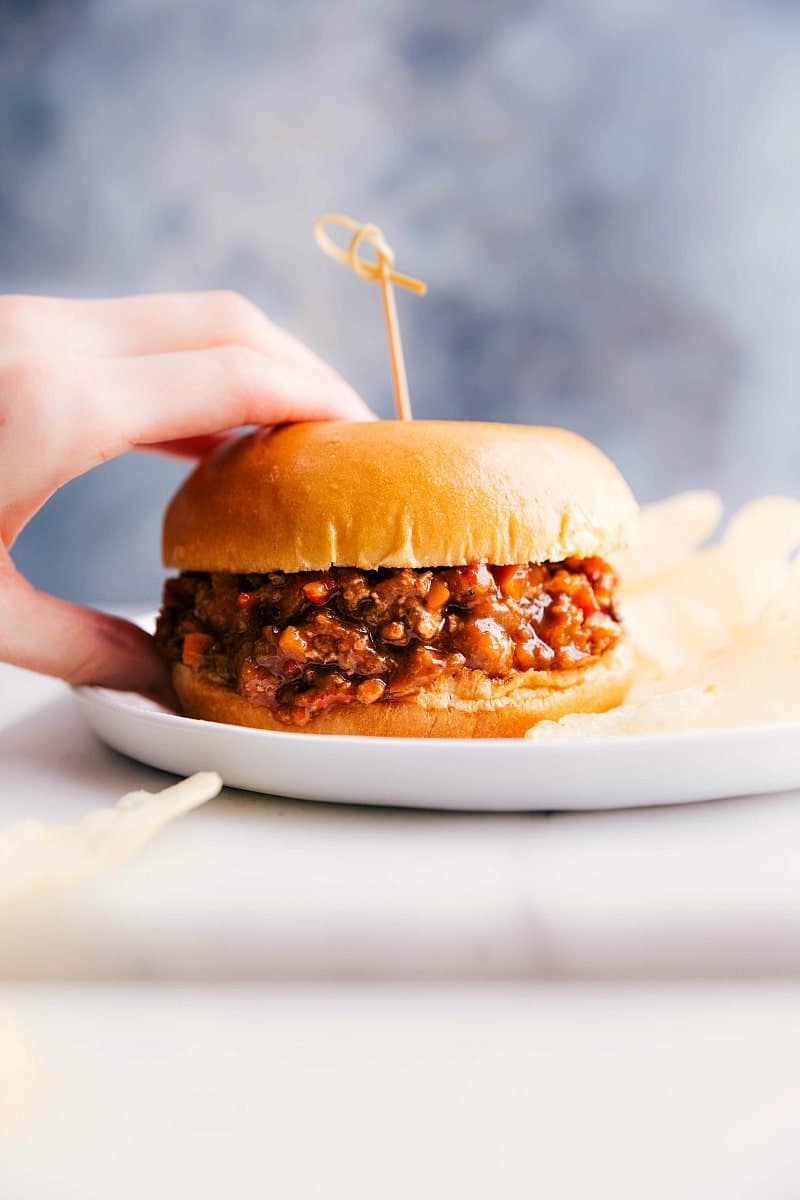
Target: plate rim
[{"x": 94, "y": 696}]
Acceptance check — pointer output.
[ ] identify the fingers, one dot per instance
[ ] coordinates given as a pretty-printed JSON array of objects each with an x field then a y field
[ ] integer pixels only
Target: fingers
[
  {"x": 60, "y": 418},
  {"x": 154, "y": 324},
  {"x": 53, "y": 637},
  {"x": 159, "y": 324},
  {"x": 161, "y": 398},
  {"x": 78, "y": 332}
]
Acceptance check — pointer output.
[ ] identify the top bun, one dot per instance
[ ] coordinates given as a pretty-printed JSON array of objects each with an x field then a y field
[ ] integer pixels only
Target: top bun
[{"x": 397, "y": 494}]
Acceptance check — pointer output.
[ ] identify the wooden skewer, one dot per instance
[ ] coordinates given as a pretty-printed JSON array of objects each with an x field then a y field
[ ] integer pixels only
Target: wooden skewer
[
  {"x": 380, "y": 271},
  {"x": 402, "y": 401}
]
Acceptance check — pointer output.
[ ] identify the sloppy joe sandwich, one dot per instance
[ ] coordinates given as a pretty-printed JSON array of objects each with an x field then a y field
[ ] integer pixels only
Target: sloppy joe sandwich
[{"x": 397, "y": 578}]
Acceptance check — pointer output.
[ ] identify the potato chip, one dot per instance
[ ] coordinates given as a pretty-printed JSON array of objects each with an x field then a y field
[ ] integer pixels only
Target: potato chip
[
  {"x": 756, "y": 679},
  {"x": 668, "y": 532},
  {"x": 696, "y": 607},
  {"x": 756, "y": 547},
  {"x": 676, "y": 712},
  {"x": 717, "y": 635},
  {"x": 36, "y": 857}
]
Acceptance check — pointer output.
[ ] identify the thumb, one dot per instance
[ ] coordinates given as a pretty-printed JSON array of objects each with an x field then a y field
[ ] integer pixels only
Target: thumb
[{"x": 52, "y": 636}]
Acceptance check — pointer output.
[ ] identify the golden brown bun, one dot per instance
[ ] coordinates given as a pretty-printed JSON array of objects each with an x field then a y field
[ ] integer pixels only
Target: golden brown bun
[
  {"x": 472, "y": 706},
  {"x": 398, "y": 494}
]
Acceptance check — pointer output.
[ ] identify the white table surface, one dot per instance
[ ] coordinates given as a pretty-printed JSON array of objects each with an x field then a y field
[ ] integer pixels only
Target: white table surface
[
  {"x": 251, "y": 888},
  {"x": 582, "y": 1005},
  {"x": 494, "y": 1092}
]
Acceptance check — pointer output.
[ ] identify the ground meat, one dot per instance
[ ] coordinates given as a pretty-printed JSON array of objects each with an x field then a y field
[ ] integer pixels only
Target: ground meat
[{"x": 300, "y": 644}]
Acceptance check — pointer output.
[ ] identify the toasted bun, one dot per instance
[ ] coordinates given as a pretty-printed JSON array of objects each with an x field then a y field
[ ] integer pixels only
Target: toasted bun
[
  {"x": 472, "y": 706},
  {"x": 397, "y": 494}
]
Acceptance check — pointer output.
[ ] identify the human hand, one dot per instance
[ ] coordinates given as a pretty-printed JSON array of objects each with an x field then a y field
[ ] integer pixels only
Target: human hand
[{"x": 84, "y": 380}]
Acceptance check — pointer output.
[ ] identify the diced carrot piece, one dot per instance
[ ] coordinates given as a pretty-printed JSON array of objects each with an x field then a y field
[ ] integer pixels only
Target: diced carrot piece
[
  {"x": 511, "y": 580},
  {"x": 317, "y": 591},
  {"x": 195, "y": 648},
  {"x": 292, "y": 643},
  {"x": 585, "y": 599},
  {"x": 437, "y": 596}
]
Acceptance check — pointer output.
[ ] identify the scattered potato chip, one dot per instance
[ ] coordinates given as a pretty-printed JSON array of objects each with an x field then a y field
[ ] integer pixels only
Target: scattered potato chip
[
  {"x": 668, "y": 532},
  {"x": 700, "y": 604},
  {"x": 676, "y": 712},
  {"x": 755, "y": 680},
  {"x": 717, "y": 635},
  {"x": 36, "y": 857}
]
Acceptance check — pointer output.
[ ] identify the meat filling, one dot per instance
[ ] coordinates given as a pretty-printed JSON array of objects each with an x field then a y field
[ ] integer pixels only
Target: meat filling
[{"x": 301, "y": 644}]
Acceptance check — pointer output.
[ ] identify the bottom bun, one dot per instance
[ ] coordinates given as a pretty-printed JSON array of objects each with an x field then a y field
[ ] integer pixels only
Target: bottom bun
[{"x": 505, "y": 709}]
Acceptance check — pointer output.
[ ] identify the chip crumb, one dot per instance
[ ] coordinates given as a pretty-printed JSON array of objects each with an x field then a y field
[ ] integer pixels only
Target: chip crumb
[{"x": 35, "y": 857}]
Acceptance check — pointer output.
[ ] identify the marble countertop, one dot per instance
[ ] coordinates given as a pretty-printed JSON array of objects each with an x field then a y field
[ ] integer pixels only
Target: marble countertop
[{"x": 502, "y": 1091}]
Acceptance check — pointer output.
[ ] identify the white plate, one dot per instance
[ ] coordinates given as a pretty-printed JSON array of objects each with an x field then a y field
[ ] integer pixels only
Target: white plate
[{"x": 501, "y": 775}]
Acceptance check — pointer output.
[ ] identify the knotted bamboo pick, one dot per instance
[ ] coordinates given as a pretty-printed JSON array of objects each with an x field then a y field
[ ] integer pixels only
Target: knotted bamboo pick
[{"x": 380, "y": 271}]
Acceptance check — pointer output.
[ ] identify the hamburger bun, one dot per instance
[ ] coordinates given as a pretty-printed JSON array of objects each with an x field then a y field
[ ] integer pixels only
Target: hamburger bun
[{"x": 398, "y": 494}]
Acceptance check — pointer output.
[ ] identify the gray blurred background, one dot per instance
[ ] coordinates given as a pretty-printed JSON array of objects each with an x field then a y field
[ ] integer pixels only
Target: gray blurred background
[{"x": 602, "y": 194}]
